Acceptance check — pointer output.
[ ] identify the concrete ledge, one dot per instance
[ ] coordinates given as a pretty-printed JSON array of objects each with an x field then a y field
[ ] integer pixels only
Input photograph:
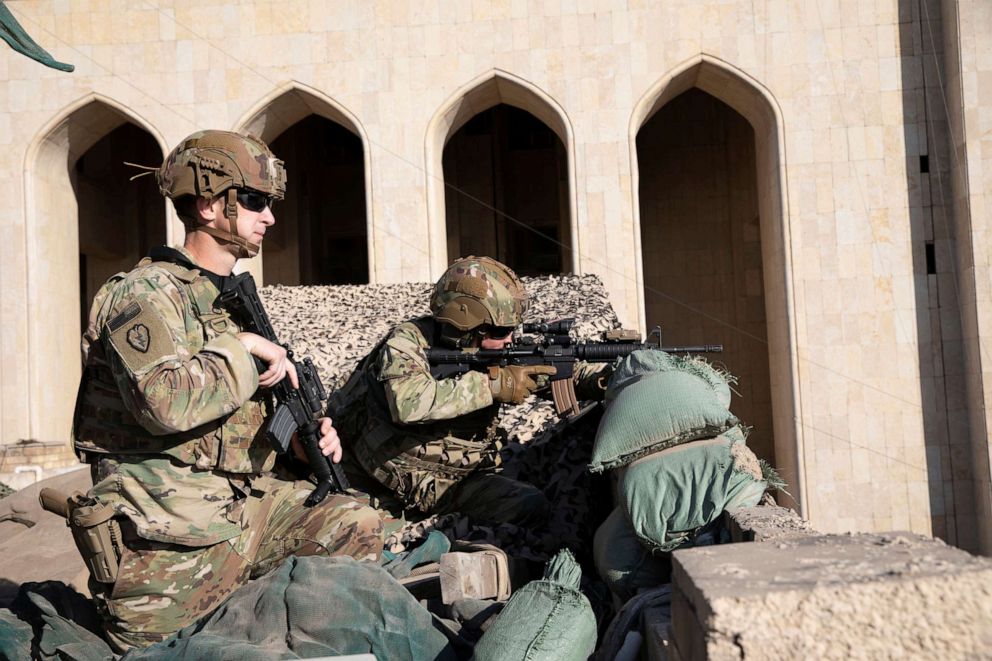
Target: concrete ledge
[
  {"x": 765, "y": 523},
  {"x": 868, "y": 596}
]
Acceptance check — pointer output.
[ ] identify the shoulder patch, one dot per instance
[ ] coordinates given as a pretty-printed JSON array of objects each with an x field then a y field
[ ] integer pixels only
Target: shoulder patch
[
  {"x": 140, "y": 337},
  {"x": 126, "y": 315}
]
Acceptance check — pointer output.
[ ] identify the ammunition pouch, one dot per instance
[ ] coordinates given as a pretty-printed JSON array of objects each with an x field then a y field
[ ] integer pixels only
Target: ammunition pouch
[{"x": 96, "y": 533}]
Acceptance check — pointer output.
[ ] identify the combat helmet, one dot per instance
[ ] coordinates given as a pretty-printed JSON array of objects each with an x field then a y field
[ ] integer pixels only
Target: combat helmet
[
  {"x": 476, "y": 292},
  {"x": 210, "y": 163}
]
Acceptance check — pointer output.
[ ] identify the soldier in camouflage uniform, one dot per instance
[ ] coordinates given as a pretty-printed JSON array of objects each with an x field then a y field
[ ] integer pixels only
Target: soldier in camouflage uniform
[
  {"x": 433, "y": 444},
  {"x": 171, "y": 405}
]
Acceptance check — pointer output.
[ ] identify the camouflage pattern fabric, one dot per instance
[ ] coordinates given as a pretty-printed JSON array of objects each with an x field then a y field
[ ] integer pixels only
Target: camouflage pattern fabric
[
  {"x": 169, "y": 419},
  {"x": 416, "y": 435},
  {"x": 166, "y": 379},
  {"x": 413, "y": 434},
  {"x": 164, "y": 587},
  {"x": 555, "y": 458},
  {"x": 493, "y": 285},
  {"x": 207, "y": 163}
]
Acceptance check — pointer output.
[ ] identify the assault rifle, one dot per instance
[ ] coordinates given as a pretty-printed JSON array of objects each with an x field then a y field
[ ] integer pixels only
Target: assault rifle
[
  {"x": 558, "y": 349},
  {"x": 297, "y": 411}
]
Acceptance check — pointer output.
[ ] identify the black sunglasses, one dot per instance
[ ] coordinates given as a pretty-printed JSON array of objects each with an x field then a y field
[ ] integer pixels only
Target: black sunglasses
[
  {"x": 497, "y": 332},
  {"x": 255, "y": 201}
]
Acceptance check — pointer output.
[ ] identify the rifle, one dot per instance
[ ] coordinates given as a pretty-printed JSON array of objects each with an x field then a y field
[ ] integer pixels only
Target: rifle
[
  {"x": 296, "y": 410},
  {"x": 558, "y": 349}
]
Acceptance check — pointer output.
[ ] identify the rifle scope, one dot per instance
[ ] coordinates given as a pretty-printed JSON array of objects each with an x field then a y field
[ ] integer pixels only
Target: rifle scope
[{"x": 561, "y": 327}]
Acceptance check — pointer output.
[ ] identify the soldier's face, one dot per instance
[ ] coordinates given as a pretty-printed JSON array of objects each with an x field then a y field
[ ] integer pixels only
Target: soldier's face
[
  {"x": 253, "y": 224},
  {"x": 496, "y": 342}
]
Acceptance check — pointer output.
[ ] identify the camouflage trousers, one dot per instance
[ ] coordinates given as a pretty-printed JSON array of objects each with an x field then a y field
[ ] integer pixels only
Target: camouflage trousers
[{"x": 162, "y": 588}]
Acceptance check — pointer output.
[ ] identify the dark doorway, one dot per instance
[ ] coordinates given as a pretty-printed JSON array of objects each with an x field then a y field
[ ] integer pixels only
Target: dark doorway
[
  {"x": 119, "y": 220},
  {"x": 320, "y": 236},
  {"x": 701, "y": 244},
  {"x": 505, "y": 159}
]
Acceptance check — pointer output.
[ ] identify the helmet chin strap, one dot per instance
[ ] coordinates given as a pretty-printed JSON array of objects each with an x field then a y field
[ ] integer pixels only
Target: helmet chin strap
[{"x": 245, "y": 247}]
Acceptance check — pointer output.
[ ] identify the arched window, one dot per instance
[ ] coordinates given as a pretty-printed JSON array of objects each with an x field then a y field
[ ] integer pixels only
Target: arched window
[
  {"x": 506, "y": 192},
  {"x": 321, "y": 231}
]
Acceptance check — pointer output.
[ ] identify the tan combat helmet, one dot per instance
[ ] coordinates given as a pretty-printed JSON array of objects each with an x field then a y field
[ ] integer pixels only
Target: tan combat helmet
[
  {"x": 477, "y": 291},
  {"x": 209, "y": 163}
]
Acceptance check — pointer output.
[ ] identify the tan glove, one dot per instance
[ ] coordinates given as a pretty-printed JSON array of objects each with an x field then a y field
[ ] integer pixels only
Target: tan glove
[{"x": 512, "y": 384}]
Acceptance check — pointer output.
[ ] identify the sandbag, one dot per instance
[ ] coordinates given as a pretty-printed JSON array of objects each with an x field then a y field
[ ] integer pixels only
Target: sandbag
[
  {"x": 669, "y": 495},
  {"x": 308, "y": 607},
  {"x": 623, "y": 562},
  {"x": 546, "y": 620},
  {"x": 51, "y": 621},
  {"x": 657, "y": 410},
  {"x": 646, "y": 361}
]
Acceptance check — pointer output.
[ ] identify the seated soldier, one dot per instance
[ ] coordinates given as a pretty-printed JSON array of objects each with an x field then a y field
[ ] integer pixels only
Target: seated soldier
[
  {"x": 170, "y": 410},
  {"x": 433, "y": 443}
]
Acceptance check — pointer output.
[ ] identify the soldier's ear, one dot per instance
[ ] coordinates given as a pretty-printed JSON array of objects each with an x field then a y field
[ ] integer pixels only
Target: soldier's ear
[{"x": 208, "y": 210}]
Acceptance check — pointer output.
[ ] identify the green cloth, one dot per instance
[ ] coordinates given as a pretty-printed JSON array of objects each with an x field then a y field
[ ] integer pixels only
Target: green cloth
[
  {"x": 399, "y": 565},
  {"x": 12, "y": 32},
  {"x": 623, "y": 562},
  {"x": 50, "y": 620},
  {"x": 311, "y": 607},
  {"x": 657, "y": 410},
  {"x": 546, "y": 620},
  {"x": 648, "y": 361},
  {"x": 307, "y": 607},
  {"x": 669, "y": 495}
]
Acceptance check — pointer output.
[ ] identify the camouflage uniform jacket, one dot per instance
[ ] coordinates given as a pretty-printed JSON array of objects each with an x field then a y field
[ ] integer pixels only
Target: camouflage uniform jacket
[
  {"x": 168, "y": 397},
  {"x": 418, "y": 435}
]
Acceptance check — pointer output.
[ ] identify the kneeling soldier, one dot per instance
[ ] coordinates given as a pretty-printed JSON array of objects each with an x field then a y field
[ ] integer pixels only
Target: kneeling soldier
[{"x": 170, "y": 410}]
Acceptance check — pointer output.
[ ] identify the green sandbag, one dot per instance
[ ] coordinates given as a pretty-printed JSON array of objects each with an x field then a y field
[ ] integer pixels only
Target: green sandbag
[
  {"x": 641, "y": 363},
  {"x": 623, "y": 562},
  {"x": 658, "y": 410},
  {"x": 669, "y": 495},
  {"x": 546, "y": 620},
  {"x": 308, "y": 607}
]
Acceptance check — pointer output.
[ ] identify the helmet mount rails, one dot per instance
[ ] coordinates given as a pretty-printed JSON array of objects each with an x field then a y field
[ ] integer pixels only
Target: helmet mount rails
[{"x": 211, "y": 164}]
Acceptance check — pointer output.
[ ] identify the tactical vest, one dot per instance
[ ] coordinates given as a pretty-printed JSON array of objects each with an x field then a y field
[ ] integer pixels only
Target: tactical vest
[
  {"x": 418, "y": 463},
  {"x": 103, "y": 425}
]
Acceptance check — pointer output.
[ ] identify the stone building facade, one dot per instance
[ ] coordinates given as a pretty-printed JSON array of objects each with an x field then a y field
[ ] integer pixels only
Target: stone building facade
[{"x": 803, "y": 181}]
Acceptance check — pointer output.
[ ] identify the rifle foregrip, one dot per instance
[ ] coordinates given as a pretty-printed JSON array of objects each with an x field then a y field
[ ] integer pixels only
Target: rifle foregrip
[{"x": 330, "y": 476}]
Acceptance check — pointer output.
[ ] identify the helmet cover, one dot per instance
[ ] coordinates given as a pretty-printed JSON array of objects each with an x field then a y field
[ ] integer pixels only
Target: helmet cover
[
  {"x": 209, "y": 163},
  {"x": 476, "y": 291}
]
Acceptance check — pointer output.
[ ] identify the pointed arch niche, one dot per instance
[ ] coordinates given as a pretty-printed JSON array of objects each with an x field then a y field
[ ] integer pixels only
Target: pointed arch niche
[
  {"x": 501, "y": 143},
  {"x": 85, "y": 221},
  {"x": 323, "y": 231},
  {"x": 711, "y": 224}
]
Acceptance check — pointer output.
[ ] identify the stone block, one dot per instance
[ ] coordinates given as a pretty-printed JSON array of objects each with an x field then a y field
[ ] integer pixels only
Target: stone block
[
  {"x": 866, "y": 596},
  {"x": 765, "y": 523}
]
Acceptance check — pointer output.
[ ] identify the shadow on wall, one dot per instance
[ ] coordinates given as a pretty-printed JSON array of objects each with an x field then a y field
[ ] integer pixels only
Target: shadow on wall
[{"x": 938, "y": 311}]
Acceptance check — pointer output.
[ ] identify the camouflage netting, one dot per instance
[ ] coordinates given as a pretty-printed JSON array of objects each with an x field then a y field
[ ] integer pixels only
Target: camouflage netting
[
  {"x": 5, "y": 490},
  {"x": 338, "y": 325}
]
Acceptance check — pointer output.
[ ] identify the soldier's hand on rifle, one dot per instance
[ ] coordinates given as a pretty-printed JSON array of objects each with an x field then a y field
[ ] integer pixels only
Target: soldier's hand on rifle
[
  {"x": 330, "y": 444},
  {"x": 512, "y": 384},
  {"x": 272, "y": 355}
]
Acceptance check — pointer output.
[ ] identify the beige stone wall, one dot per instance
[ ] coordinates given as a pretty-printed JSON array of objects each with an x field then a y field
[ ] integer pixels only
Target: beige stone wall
[
  {"x": 824, "y": 85},
  {"x": 967, "y": 32}
]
